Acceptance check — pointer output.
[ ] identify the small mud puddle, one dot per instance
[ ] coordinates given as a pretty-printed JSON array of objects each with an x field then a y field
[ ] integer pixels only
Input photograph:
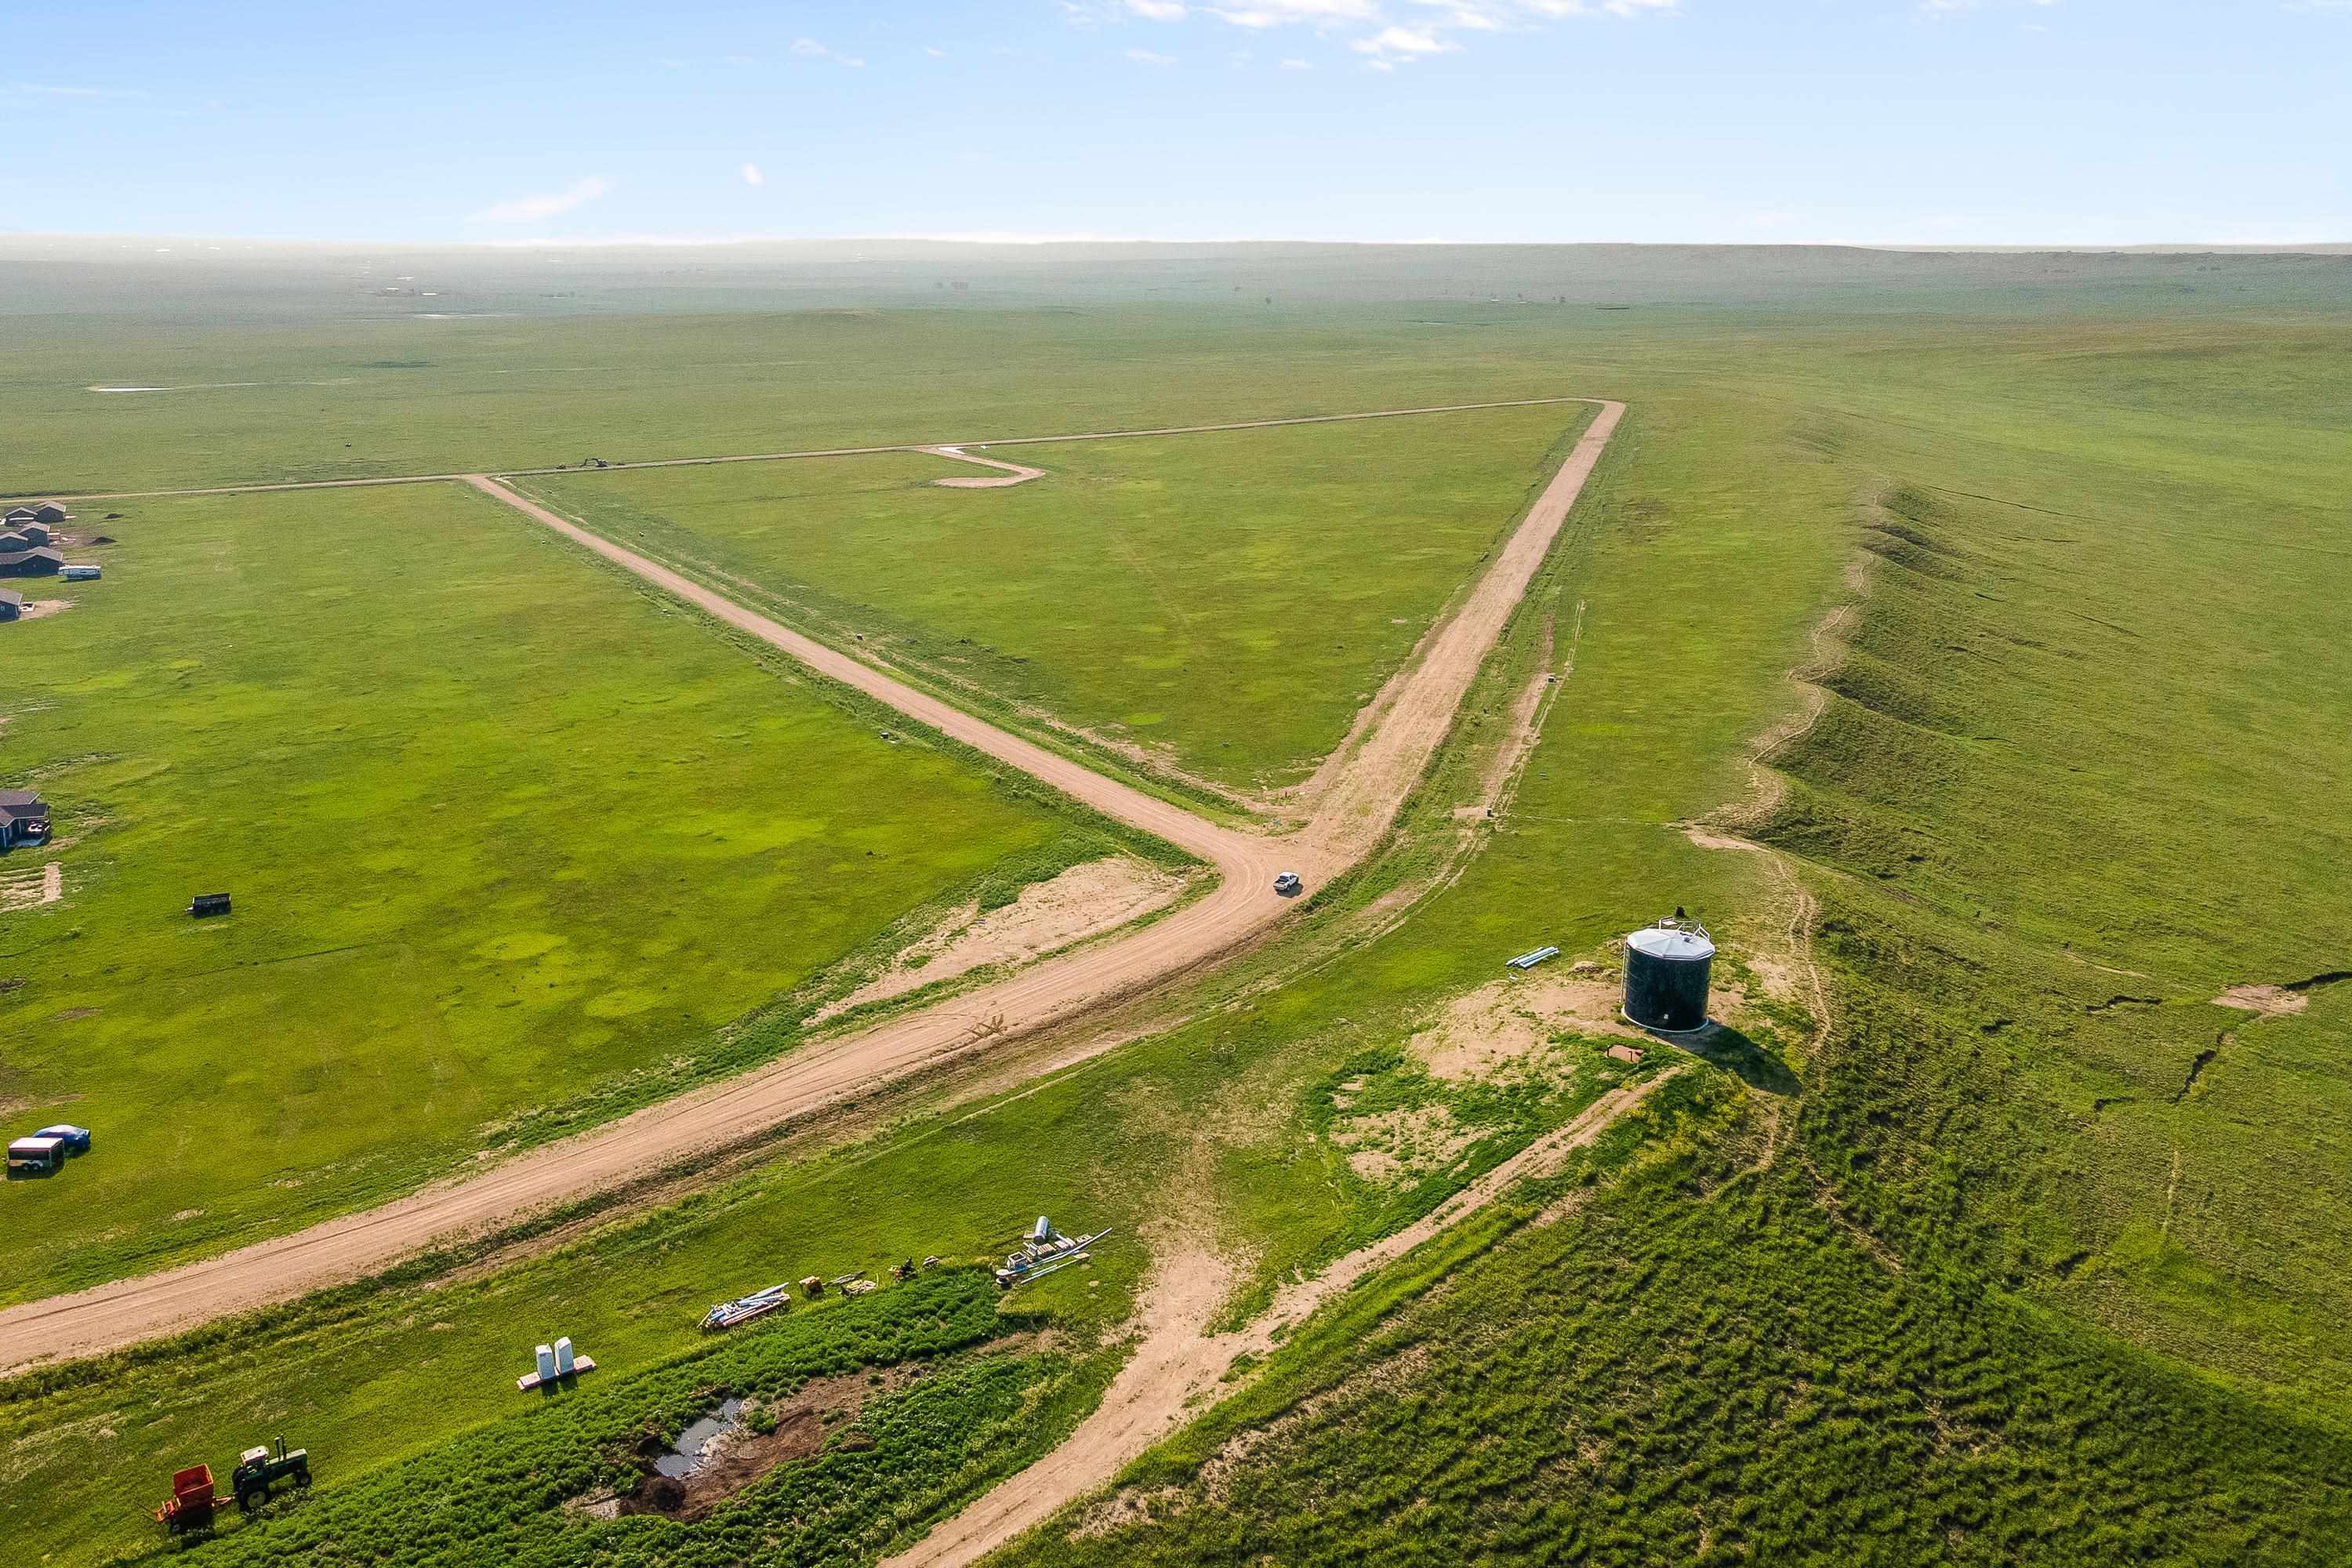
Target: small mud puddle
[{"x": 693, "y": 1449}]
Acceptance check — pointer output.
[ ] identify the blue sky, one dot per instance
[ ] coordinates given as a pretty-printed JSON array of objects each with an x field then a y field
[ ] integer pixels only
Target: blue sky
[{"x": 1900, "y": 121}]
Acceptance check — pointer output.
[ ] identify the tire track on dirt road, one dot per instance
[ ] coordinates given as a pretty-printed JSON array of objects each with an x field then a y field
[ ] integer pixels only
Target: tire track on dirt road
[{"x": 827, "y": 1072}]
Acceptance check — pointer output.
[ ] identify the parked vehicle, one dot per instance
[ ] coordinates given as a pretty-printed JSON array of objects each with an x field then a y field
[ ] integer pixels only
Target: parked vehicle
[
  {"x": 1287, "y": 884},
  {"x": 258, "y": 1469}
]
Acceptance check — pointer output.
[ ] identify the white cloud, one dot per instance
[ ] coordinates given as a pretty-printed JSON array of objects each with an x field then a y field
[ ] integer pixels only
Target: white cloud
[
  {"x": 809, "y": 48},
  {"x": 1297, "y": 65},
  {"x": 1158, "y": 10},
  {"x": 1145, "y": 56},
  {"x": 752, "y": 177},
  {"x": 1403, "y": 43},
  {"x": 1286, "y": 13},
  {"x": 531, "y": 209},
  {"x": 937, "y": 54}
]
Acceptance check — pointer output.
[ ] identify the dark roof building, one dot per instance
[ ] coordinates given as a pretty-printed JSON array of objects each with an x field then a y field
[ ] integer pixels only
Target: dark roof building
[
  {"x": 12, "y": 603},
  {"x": 48, "y": 511},
  {"x": 12, "y": 542},
  {"x": 24, "y": 817},
  {"x": 17, "y": 514},
  {"x": 35, "y": 534},
  {"x": 41, "y": 561}
]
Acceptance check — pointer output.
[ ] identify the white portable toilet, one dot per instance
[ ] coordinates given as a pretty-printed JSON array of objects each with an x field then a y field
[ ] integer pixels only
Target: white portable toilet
[
  {"x": 546, "y": 1364},
  {"x": 563, "y": 1363}
]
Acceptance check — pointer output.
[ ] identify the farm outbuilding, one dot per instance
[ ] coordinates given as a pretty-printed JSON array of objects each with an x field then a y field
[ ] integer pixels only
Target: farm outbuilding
[
  {"x": 40, "y": 561},
  {"x": 18, "y": 514},
  {"x": 12, "y": 603},
  {"x": 14, "y": 540},
  {"x": 35, "y": 535},
  {"x": 48, "y": 511},
  {"x": 24, "y": 817}
]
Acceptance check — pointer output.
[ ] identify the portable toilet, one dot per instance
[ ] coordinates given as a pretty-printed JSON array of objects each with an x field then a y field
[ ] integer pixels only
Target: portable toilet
[
  {"x": 546, "y": 1364},
  {"x": 1667, "y": 968},
  {"x": 564, "y": 1362}
]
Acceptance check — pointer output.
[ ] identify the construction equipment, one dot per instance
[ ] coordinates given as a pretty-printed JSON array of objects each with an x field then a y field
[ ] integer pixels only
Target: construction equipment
[
  {"x": 1045, "y": 1250},
  {"x": 191, "y": 1503},
  {"x": 258, "y": 1469},
  {"x": 743, "y": 1309}
]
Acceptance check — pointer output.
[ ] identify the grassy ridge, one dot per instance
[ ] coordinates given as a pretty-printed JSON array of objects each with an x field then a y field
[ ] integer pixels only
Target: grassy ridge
[
  {"x": 1229, "y": 599},
  {"x": 506, "y": 835}
]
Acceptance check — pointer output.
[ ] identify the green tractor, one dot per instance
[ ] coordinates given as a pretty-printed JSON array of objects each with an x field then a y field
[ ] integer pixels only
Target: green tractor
[{"x": 258, "y": 1470}]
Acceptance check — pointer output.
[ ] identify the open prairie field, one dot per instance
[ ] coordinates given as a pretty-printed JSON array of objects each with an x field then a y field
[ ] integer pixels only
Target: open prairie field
[
  {"x": 1983, "y": 1235},
  {"x": 1222, "y": 604},
  {"x": 512, "y": 845}
]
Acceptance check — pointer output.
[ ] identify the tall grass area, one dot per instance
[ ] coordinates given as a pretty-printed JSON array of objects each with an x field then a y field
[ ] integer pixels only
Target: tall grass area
[
  {"x": 512, "y": 846},
  {"x": 1227, "y": 600}
]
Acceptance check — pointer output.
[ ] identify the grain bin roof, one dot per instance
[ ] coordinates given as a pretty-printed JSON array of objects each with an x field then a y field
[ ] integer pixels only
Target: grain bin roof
[{"x": 1656, "y": 942}]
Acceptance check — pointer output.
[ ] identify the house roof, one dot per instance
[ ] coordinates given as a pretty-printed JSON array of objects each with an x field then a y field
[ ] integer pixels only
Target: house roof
[
  {"x": 20, "y": 514},
  {"x": 10, "y": 596},
  {"x": 23, "y": 803},
  {"x": 41, "y": 552}
]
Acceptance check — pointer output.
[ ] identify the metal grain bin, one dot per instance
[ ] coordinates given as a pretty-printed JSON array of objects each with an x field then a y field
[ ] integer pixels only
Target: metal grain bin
[{"x": 1667, "y": 968}]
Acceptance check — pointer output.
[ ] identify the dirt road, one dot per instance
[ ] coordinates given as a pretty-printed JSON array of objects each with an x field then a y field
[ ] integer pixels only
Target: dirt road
[
  {"x": 1389, "y": 762},
  {"x": 1177, "y": 1362}
]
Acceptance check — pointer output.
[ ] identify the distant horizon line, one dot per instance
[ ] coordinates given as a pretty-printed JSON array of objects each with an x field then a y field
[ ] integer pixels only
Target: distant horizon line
[{"x": 170, "y": 243}]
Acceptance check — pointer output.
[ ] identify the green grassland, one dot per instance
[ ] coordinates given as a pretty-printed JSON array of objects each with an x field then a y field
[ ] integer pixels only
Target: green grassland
[
  {"x": 1226, "y": 1123},
  {"x": 1983, "y": 1291},
  {"x": 1228, "y": 599},
  {"x": 505, "y": 834}
]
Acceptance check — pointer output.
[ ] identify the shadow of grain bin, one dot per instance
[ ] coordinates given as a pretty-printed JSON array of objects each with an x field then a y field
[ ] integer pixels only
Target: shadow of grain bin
[{"x": 1727, "y": 1048}]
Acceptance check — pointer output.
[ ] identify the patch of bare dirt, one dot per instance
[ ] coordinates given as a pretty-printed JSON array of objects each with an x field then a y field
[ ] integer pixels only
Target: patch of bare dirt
[
  {"x": 1083, "y": 902},
  {"x": 40, "y": 609},
  {"x": 31, "y": 889},
  {"x": 2270, "y": 1000},
  {"x": 1510, "y": 1022}
]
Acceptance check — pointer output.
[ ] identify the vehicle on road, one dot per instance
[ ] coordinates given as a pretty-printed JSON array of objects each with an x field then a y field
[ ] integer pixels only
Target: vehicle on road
[{"x": 1287, "y": 884}]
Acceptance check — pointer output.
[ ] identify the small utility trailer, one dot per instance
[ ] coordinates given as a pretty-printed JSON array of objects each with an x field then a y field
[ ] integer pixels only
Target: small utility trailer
[{"x": 36, "y": 1155}]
